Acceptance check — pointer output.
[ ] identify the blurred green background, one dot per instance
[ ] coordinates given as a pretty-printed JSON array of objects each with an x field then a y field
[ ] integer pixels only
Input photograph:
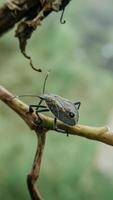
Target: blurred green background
[{"x": 80, "y": 56}]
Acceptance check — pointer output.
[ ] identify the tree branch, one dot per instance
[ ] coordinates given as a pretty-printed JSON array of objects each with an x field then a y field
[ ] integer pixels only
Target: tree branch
[
  {"x": 41, "y": 124},
  {"x": 101, "y": 134},
  {"x": 14, "y": 11}
]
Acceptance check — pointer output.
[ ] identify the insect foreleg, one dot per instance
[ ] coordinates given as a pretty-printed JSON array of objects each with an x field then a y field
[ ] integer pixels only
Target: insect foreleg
[
  {"x": 31, "y": 108},
  {"x": 39, "y": 105},
  {"x": 34, "y": 106}
]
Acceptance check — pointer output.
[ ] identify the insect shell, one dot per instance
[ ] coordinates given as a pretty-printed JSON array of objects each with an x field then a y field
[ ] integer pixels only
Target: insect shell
[{"x": 62, "y": 109}]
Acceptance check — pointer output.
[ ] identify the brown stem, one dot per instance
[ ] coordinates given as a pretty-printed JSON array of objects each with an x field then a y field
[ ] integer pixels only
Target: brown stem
[{"x": 35, "y": 171}]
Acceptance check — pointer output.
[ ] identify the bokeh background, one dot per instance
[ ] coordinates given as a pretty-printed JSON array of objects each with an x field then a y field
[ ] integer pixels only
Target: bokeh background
[{"x": 80, "y": 56}]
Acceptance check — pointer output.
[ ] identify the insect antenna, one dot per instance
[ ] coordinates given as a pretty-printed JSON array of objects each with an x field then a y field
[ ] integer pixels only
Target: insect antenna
[
  {"x": 44, "y": 86},
  {"x": 26, "y": 95}
]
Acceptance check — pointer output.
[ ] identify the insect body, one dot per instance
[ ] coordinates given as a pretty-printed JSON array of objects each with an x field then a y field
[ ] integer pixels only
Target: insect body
[{"x": 62, "y": 109}]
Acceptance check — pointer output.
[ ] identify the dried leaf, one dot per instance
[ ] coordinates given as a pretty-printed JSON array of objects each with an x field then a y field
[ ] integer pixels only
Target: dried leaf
[{"x": 23, "y": 33}]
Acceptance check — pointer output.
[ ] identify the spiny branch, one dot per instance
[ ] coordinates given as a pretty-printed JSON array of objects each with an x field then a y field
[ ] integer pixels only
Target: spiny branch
[{"x": 101, "y": 134}]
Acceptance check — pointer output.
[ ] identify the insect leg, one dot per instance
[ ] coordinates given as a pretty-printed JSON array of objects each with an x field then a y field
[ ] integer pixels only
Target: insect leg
[
  {"x": 35, "y": 106},
  {"x": 56, "y": 128},
  {"x": 39, "y": 105},
  {"x": 31, "y": 108},
  {"x": 45, "y": 109},
  {"x": 42, "y": 110},
  {"x": 78, "y": 103}
]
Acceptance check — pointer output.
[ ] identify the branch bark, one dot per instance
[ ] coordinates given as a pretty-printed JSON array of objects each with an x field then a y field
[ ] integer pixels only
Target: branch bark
[
  {"x": 8, "y": 18},
  {"x": 14, "y": 11},
  {"x": 101, "y": 134}
]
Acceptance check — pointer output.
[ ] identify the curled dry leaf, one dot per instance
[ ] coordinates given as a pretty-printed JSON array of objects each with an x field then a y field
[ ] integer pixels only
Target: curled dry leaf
[{"x": 26, "y": 27}]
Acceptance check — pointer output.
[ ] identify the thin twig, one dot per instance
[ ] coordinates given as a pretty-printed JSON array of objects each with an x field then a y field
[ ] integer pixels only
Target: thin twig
[{"x": 35, "y": 171}]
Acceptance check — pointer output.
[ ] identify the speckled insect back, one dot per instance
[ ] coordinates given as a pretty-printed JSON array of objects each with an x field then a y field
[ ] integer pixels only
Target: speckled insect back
[{"x": 63, "y": 109}]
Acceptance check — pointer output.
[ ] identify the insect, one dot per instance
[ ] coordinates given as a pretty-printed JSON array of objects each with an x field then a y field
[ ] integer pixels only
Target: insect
[{"x": 62, "y": 109}]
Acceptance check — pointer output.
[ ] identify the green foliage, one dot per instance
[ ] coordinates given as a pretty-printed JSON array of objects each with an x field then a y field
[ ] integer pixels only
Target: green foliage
[{"x": 80, "y": 55}]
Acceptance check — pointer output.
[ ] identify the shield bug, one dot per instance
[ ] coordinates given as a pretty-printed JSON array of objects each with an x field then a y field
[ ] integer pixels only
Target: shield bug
[{"x": 62, "y": 109}]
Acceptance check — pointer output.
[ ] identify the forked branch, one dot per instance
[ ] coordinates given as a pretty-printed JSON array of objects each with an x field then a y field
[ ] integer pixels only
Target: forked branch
[
  {"x": 101, "y": 134},
  {"x": 22, "y": 109},
  {"x": 41, "y": 124}
]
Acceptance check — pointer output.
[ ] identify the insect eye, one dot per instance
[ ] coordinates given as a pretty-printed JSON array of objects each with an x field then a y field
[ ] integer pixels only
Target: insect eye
[{"x": 71, "y": 114}]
